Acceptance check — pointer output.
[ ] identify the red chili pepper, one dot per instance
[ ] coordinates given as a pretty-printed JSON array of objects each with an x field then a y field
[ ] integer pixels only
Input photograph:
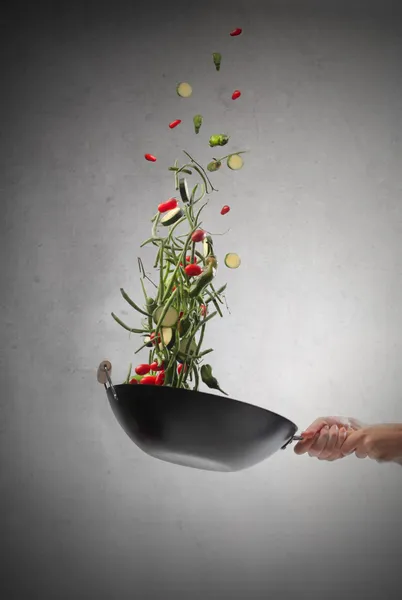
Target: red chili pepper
[
  {"x": 150, "y": 157},
  {"x": 156, "y": 367},
  {"x": 198, "y": 235},
  {"x": 236, "y": 31},
  {"x": 203, "y": 310},
  {"x": 193, "y": 270},
  {"x": 148, "y": 380},
  {"x": 152, "y": 336},
  {"x": 180, "y": 368},
  {"x": 142, "y": 369},
  {"x": 174, "y": 124},
  {"x": 134, "y": 381},
  {"x": 225, "y": 209},
  {"x": 236, "y": 94},
  {"x": 188, "y": 260},
  {"x": 168, "y": 205},
  {"x": 160, "y": 378}
]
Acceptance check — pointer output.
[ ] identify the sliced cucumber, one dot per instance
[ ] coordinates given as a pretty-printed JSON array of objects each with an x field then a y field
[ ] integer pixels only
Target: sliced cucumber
[
  {"x": 208, "y": 246},
  {"x": 167, "y": 337},
  {"x": 169, "y": 320},
  {"x": 235, "y": 162},
  {"x": 186, "y": 350},
  {"x": 172, "y": 216},
  {"x": 183, "y": 188},
  {"x": 232, "y": 260},
  {"x": 184, "y": 90}
]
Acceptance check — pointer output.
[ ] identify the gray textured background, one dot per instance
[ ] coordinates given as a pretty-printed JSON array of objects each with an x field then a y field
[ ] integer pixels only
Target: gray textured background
[{"x": 316, "y": 317}]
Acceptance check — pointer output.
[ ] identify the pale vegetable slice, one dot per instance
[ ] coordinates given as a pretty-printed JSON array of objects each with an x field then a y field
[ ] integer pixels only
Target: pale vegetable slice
[
  {"x": 235, "y": 162},
  {"x": 167, "y": 337},
  {"x": 172, "y": 216},
  {"x": 169, "y": 320},
  {"x": 184, "y": 90},
  {"x": 183, "y": 188},
  {"x": 232, "y": 260}
]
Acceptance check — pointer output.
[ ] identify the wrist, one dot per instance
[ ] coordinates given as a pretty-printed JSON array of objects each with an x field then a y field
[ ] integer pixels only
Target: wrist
[{"x": 398, "y": 449}]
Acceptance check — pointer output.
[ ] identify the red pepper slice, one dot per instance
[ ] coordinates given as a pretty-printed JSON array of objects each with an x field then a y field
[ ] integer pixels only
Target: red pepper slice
[
  {"x": 142, "y": 369},
  {"x": 148, "y": 380},
  {"x": 236, "y": 94},
  {"x": 203, "y": 310},
  {"x": 198, "y": 235},
  {"x": 236, "y": 31},
  {"x": 174, "y": 124},
  {"x": 180, "y": 368},
  {"x": 150, "y": 157},
  {"x": 193, "y": 270},
  {"x": 160, "y": 378},
  {"x": 168, "y": 205},
  {"x": 225, "y": 209}
]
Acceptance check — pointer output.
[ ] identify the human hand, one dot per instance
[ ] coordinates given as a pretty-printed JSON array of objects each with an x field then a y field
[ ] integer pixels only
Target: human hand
[
  {"x": 324, "y": 438},
  {"x": 382, "y": 443}
]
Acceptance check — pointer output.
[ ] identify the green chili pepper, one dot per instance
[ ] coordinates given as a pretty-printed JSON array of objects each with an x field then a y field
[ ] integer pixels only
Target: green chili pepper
[
  {"x": 209, "y": 379},
  {"x": 220, "y": 139},
  {"x": 197, "y": 120},
  {"x": 184, "y": 325},
  {"x": 151, "y": 305},
  {"x": 214, "y": 165},
  {"x": 204, "y": 279},
  {"x": 217, "y": 60}
]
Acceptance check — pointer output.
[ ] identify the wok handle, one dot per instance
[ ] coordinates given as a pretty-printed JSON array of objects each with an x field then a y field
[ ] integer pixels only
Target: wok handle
[
  {"x": 294, "y": 438},
  {"x": 103, "y": 376}
]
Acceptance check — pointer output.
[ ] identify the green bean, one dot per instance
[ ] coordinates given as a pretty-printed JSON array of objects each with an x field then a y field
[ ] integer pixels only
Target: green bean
[{"x": 133, "y": 304}]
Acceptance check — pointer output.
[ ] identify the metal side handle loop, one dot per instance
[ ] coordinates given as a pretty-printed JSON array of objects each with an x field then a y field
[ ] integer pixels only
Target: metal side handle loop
[{"x": 103, "y": 376}]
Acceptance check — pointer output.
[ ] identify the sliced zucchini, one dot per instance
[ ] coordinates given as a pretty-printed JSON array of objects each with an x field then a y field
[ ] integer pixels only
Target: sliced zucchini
[
  {"x": 184, "y": 90},
  {"x": 167, "y": 336},
  {"x": 235, "y": 162},
  {"x": 208, "y": 246},
  {"x": 183, "y": 187},
  {"x": 169, "y": 320},
  {"x": 232, "y": 260},
  {"x": 186, "y": 350},
  {"x": 172, "y": 216}
]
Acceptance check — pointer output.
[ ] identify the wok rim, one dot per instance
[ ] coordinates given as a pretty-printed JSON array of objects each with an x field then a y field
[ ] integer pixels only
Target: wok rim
[{"x": 194, "y": 393}]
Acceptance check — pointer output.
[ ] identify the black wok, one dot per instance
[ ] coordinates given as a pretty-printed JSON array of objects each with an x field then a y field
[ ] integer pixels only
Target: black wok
[{"x": 196, "y": 429}]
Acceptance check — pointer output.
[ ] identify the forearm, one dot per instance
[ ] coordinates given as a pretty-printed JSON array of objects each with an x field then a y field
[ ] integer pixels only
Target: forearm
[{"x": 398, "y": 458}]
